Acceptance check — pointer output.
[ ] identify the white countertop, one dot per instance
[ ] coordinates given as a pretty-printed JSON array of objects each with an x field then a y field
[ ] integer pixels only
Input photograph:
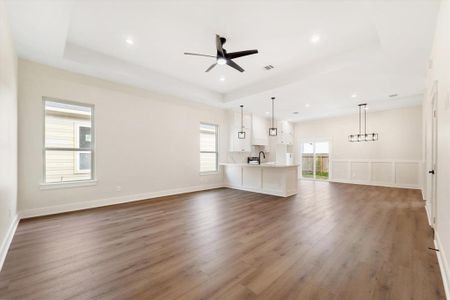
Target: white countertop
[{"x": 263, "y": 165}]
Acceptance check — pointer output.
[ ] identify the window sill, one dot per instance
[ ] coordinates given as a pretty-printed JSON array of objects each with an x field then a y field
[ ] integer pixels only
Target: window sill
[
  {"x": 67, "y": 185},
  {"x": 209, "y": 173}
]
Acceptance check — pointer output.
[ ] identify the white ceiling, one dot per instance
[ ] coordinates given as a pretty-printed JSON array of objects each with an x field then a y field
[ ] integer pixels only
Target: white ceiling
[{"x": 373, "y": 48}]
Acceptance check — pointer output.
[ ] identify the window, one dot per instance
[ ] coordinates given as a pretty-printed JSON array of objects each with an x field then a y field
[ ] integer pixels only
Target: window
[
  {"x": 68, "y": 141},
  {"x": 208, "y": 148}
]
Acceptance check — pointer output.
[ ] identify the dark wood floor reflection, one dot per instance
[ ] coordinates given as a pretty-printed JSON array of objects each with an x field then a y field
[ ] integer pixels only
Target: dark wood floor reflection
[{"x": 331, "y": 241}]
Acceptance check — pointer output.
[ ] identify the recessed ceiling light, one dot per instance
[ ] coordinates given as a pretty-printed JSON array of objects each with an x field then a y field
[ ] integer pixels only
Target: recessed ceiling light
[
  {"x": 129, "y": 41},
  {"x": 307, "y": 105},
  {"x": 315, "y": 38},
  {"x": 222, "y": 78},
  {"x": 267, "y": 112},
  {"x": 354, "y": 95}
]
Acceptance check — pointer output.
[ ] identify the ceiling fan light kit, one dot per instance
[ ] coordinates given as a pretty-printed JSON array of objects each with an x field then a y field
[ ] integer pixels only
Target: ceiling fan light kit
[
  {"x": 223, "y": 57},
  {"x": 363, "y": 137}
]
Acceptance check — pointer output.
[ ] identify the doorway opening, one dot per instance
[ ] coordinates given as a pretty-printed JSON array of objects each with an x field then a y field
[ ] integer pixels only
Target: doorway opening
[{"x": 315, "y": 160}]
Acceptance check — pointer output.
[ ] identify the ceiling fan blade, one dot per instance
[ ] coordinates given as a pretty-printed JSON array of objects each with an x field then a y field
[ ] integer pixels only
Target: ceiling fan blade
[
  {"x": 198, "y": 54},
  {"x": 241, "y": 53},
  {"x": 219, "y": 46},
  {"x": 212, "y": 66},
  {"x": 234, "y": 65}
]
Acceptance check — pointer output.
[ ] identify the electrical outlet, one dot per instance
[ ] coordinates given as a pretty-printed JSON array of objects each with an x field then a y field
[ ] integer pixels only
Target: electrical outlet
[{"x": 118, "y": 188}]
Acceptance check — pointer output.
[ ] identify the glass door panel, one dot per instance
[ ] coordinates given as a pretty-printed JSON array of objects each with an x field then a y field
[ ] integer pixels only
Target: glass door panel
[
  {"x": 308, "y": 160},
  {"x": 321, "y": 160},
  {"x": 315, "y": 160}
]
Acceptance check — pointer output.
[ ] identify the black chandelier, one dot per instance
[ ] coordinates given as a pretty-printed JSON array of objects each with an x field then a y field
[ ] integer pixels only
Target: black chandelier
[{"x": 363, "y": 137}]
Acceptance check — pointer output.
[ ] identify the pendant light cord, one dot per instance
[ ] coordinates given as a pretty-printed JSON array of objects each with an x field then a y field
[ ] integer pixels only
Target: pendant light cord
[
  {"x": 365, "y": 120},
  {"x": 273, "y": 112},
  {"x": 242, "y": 118}
]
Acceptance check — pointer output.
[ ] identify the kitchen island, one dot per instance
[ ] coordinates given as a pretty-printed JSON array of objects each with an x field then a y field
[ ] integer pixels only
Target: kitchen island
[{"x": 266, "y": 178}]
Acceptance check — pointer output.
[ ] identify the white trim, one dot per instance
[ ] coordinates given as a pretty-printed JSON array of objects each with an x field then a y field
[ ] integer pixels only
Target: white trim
[
  {"x": 262, "y": 191},
  {"x": 361, "y": 182},
  {"x": 427, "y": 211},
  {"x": 50, "y": 210},
  {"x": 206, "y": 173},
  {"x": 4, "y": 247},
  {"x": 68, "y": 184},
  {"x": 443, "y": 264}
]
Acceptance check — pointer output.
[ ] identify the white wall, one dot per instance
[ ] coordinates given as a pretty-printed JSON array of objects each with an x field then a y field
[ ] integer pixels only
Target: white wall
[
  {"x": 146, "y": 143},
  {"x": 394, "y": 160},
  {"x": 440, "y": 73},
  {"x": 8, "y": 135}
]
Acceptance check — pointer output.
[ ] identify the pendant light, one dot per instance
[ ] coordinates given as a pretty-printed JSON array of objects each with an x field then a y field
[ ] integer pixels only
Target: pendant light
[
  {"x": 363, "y": 137},
  {"x": 241, "y": 134},
  {"x": 273, "y": 130}
]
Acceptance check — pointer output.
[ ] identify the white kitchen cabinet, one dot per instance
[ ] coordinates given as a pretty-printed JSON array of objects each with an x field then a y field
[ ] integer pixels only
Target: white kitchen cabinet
[
  {"x": 260, "y": 131},
  {"x": 271, "y": 179}
]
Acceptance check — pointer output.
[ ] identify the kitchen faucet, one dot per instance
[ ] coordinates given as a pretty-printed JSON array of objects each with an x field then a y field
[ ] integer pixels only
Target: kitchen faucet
[{"x": 259, "y": 156}]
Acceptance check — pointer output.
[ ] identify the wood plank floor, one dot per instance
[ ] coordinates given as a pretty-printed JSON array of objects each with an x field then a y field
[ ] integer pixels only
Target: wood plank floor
[{"x": 331, "y": 241}]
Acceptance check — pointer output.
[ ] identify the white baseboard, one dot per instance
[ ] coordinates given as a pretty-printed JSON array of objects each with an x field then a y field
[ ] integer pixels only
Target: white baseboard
[
  {"x": 427, "y": 211},
  {"x": 50, "y": 210},
  {"x": 4, "y": 247},
  {"x": 394, "y": 185},
  {"x": 259, "y": 191},
  {"x": 443, "y": 264}
]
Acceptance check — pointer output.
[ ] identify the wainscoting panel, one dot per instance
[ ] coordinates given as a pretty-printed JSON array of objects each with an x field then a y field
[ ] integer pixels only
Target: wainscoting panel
[
  {"x": 407, "y": 173},
  {"x": 395, "y": 173},
  {"x": 360, "y": 170},
  {"x": 382, "y": 172},
  {"x": 341, "y": 169}
]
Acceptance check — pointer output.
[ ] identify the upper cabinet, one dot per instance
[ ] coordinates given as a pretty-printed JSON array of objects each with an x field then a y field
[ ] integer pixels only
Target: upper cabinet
[
  {"x": 260, "y": 131},
  {"x": 285, "y": 133},
  {"x": 257, "y": 132}
]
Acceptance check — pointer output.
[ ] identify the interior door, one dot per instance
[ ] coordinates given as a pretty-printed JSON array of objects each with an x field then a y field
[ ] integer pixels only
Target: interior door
[{"x": 432, "y": 171}]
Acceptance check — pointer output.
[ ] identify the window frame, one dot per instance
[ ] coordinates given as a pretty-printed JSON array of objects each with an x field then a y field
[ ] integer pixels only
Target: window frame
[
  {"x": 215, "y": 152},
  {"x": 68, "y": 183}
]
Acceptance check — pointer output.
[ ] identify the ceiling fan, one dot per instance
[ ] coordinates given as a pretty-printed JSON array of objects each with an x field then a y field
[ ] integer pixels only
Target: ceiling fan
[{"x": 224, "y": 58}]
